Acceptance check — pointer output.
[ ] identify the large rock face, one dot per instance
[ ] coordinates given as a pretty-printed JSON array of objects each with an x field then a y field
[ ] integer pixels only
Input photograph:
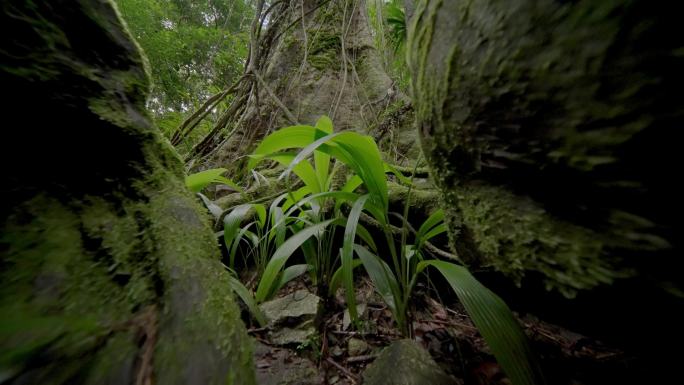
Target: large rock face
[
  {"x": 551, "y": 128},
  {"x": 110, "y": 273}
]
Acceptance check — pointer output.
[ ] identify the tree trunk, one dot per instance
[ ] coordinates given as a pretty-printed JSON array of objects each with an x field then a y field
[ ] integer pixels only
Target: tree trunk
[
  {"x": 551, "y": 128},
  {"x": 110, "y": 272},
  {"x": 315, "y": 57}
]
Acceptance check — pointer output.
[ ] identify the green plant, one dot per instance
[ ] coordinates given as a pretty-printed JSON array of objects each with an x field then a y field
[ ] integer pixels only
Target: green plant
[
  {"x": 304, "y": 210},
  {"x": 395, "y": 284},
  {"x": 198, "y": 181},
  {"x": 315, "y": 203}
]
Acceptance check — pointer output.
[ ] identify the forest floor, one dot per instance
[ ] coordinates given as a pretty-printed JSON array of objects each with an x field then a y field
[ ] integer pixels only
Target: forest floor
[{"x": 339, "y": 354}]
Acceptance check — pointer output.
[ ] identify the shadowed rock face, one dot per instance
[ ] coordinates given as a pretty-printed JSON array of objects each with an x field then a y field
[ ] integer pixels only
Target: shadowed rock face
[
  {"x": 551, "y": 128},
  {"x": 110, "y": 273}
]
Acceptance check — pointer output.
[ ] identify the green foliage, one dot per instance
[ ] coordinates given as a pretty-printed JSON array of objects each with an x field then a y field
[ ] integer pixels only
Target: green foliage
[
  {"x": 196, "y": 182},
  {"x": 195, "y": 49},
  {"x": 396, "y": 20},
  {"x": 388, "y": 20},
  {"x": 247, "y": 298},
  {"x": 495, "y": 322},
  {"x": 312, "y": 212},
  {"x": 271, "y": 279}
]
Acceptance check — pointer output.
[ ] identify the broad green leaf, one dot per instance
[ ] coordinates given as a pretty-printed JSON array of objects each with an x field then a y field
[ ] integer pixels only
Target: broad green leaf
[
  {"x": 353, "y": 182},
  {"x": 321, "y": 159},
  {"x": 325, "y": 124},
  {"x": 247, "y": 297},
  {"x": 296, "y": 197},
  {"x": 288, "y": 137},
  {"x": 362, "y": 232},
  {"x": 302, "y": 169},
  {"x": 196, "y": 182},
  {"x": 305, "y": 153},
  {"x": 494, "y": 320},
  {"x": 439, "y": 229},
  {"x": 383, "y": 279},
  {"x": 366, "y": 161},
  {"x": 339, "y": 195},
  {"x": 279, "y": 258},
  {"x": 348, "y": 254}
]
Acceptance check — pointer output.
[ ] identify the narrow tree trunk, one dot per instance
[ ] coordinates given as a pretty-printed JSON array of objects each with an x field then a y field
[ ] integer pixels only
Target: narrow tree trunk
[{"x": 109, "y": 270}]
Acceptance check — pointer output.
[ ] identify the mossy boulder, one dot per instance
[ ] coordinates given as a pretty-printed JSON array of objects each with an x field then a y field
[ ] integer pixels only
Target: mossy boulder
[
  {"x": 110, "y": 271},
  {"x": 404, "y": 362}
]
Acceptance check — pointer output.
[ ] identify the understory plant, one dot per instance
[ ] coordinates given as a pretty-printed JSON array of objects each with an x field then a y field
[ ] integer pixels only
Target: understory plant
[{"x": 314, "y": 209}]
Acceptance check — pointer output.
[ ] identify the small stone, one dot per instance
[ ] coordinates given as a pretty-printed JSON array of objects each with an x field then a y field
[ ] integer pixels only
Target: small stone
[
  {"x": 346, "y": 319},
  {"x": 356, "y": 347},
  {"x": 299, "y": 306},
  {"x": 336, "y": 351},
  {"x": 288, "y": 336}
]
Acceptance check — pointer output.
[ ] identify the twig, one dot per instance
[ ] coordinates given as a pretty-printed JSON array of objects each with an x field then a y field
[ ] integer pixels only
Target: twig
[
  {"x": 343, "y": 370},
  {"x": 202, "y": 112},
  {"x": 364, "y": 358},
  {"x": 396, "y": 230}
]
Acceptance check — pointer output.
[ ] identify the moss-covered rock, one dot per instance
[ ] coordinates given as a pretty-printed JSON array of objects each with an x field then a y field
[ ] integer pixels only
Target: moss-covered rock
[
  {"x": 404, "y": 362},
  {"x": 110, "y": 272},
  {"x": 549, "y": 126}
]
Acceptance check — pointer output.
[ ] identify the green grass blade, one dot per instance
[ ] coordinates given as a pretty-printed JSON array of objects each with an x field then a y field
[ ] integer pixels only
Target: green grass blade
[
  {"x": 232, "y": 221},
  {"x": 348, "y": 254},
  {"x": 260, "y": 210},
  {"x": 279, "y": 258},
  {"x": 236, "y": 243},
  {"x": 494, "y": 320},
  {"x": 435, "y": 231}
]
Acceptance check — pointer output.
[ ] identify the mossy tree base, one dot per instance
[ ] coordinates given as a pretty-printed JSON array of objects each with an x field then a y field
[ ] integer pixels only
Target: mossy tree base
[
  {"x": 550, "y": 127},
  {"x": 110, "y": 271}
]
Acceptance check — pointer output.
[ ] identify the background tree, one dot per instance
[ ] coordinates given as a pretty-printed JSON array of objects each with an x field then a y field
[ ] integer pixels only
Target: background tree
[
  {"x": 307, "y": 58},
  {"x": 195, "y": 49}
]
